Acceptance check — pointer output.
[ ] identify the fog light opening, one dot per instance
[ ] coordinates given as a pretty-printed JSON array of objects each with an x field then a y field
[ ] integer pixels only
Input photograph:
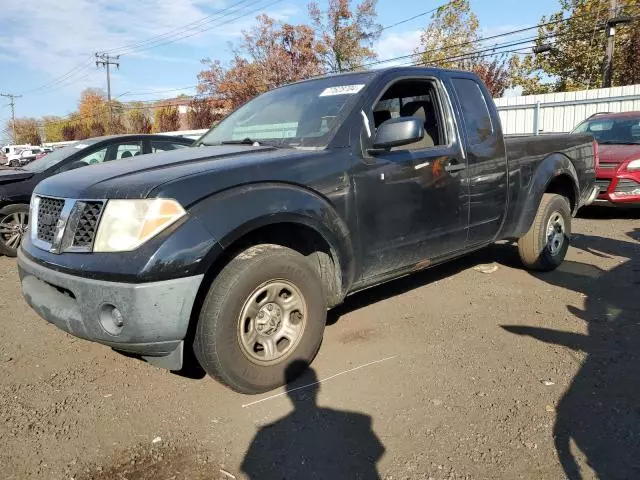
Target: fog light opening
[{"x": 111, "y": 319}]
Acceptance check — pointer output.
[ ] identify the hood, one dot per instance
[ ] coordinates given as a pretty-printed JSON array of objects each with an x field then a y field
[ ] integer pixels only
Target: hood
[
  {"x": 618, "y": 153},
  {"x": 11, "y": 176},
  {"x": 138, "y": 177}
]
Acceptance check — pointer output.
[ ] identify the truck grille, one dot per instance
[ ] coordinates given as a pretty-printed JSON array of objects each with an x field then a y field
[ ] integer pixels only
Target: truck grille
[
  {"x": 48, "y": 216},
  {"x": 87, "y": 224},
  {"x": 603, "y": 185}
]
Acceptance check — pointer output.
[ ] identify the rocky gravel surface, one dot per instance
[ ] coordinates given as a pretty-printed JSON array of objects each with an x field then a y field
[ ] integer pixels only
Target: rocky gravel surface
[{"x": 472, "y": 370}]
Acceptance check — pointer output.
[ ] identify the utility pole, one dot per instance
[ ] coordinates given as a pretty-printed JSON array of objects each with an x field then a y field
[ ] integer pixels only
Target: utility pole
[
  {"x": 105, "y": 60},
  {"x": 611, "y": 42},
  {"x": 12, "y": 103}
]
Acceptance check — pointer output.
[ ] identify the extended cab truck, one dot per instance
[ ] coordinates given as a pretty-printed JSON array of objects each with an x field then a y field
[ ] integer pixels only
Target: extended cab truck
[{"x": 302, "y": 196}]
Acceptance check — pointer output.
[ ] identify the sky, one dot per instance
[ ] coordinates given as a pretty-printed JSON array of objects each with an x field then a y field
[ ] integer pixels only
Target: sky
[{"x": 47, "y": 46}]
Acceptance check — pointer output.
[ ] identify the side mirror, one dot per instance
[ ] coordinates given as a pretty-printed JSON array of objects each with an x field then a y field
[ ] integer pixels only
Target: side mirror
[{"x": 397, "y": 132}]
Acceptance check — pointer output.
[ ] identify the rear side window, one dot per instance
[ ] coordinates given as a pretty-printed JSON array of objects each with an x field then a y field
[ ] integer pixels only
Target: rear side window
[
  {"x": 165, "y": 145},
  {"x": 477, "y": 119}
]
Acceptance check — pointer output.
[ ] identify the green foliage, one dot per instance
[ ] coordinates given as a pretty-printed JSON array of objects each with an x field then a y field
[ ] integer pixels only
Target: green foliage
[{"x": 578, "y": 40}]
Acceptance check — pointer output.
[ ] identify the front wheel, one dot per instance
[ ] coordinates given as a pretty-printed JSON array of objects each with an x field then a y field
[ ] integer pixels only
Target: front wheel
[
  {"x": 546, "y": 243},
  {"x": 14, "y": 220},
  {"x": 264, "y": 312}
]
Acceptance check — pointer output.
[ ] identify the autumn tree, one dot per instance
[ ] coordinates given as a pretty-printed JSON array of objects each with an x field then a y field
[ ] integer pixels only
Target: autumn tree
[
  {"x": 450, "y": 35},
  {"x": 495, "y": 72},
  {"x": 271, "y": 54},
  {"x": 96, "y": 129},
  {"x": 576, "y": 36},
  {"x": 346, "y": 36},
  {"x": 93, "y": 106},
  {"x": 200, "y": 113},
  {"x": 166, "y": 119},
  {"x": 26, "y": 130},
  {"x": 68, "y": 132},
  {"x": 137, "y": 120}
]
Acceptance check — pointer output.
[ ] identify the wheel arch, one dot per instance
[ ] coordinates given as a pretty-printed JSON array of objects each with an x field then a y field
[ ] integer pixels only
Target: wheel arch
[{"x": 555, "y": 174}]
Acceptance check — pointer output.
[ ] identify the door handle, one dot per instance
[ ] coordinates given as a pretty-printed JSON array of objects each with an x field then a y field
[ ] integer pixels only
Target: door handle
[{"x": 455, "y": 167}]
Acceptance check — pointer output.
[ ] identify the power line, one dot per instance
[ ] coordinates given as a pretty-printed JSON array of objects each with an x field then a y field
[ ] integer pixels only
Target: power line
[
  {"x": 12, "y": 103},
  {"x": 62, "y": 78},
  {"x": 180, "y": 37},
  {"x": 401, "y": 22},
  {"x": 173, "y": 31}
]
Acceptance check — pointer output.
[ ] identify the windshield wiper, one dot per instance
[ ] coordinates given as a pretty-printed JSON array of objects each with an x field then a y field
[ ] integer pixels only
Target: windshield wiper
[
  {"x": 618, "y": 143},
  {"x": 251, "y": 141}
]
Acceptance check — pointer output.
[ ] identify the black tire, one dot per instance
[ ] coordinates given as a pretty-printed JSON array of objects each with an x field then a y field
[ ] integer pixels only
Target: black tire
[
  {"x": 217, "y": 342},
  {"x": 9, "y": 216},
  {"x": 14, "y": 163},
  {"x": 537, "y": 250}
]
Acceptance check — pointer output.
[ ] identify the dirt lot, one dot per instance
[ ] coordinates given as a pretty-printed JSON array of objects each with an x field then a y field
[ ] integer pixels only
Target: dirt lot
[{"x": 453, "y": 374}]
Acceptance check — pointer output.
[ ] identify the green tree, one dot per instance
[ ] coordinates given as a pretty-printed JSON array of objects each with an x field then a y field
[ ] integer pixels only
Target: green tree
[
  {"x": 346, "y": 36},
  {"x": 452, "y": 31},
  {"x": 52, "y": 127},
  {"x": 577, "y": 37}
]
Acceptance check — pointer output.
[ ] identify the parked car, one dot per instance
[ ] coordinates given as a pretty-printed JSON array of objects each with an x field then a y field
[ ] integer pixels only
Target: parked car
[
  {"x": 16, "y": 185},
  {"x": 304, "y": 195},
  {"x": 23, "y": 156},
  {"x": 618, "y": 174}
]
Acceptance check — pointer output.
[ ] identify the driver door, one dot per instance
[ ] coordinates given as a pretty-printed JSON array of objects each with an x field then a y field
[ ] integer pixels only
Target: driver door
[{"x": 413, "y": 200}]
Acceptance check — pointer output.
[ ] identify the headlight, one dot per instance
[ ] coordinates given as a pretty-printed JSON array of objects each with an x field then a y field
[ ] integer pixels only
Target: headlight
[
  {"x": 634, "y": 165},
  {"x": 127, "y": 224}
]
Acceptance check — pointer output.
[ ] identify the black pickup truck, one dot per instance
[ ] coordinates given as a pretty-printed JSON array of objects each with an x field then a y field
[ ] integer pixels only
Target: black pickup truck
[{"x": 235, "y": 249}]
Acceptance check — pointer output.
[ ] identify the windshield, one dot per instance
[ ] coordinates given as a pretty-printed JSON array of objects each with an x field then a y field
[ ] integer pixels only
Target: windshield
[
  {"x": 612, "y": 131},
  {"x": 304, "y": 114},
  {"x": 53, "y": 158}
]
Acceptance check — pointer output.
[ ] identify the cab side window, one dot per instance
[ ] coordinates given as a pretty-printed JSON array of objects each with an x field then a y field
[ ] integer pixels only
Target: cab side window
[
  {"x": 128, "y": 150},
  {"x": 413, "y": 98},
  {"x": 165, "y": 145},
  {"x": 475, "y": 112}
]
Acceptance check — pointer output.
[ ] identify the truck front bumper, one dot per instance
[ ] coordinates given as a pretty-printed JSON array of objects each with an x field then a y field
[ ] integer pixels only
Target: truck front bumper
[{"x": 145, "y": 319}]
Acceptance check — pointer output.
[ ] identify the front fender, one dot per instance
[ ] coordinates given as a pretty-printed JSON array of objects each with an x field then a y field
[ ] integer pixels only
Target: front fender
[
  {"x": 233, "y": 213},
  {"x": 552, "y": 167}
]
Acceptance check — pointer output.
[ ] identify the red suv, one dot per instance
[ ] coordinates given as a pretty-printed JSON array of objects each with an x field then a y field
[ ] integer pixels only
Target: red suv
[{"x": 618, "y": 137}]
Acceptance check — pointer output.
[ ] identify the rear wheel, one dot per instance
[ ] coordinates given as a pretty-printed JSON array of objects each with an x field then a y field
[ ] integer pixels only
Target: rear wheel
[
  {"x": 263, "y": 312},
  {"x": 14, "y": 220},
  {"x": 545, "y": 245}
]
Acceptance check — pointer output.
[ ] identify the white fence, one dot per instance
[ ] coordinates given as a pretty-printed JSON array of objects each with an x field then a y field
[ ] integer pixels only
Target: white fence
[{"x": 561, "y": 112}]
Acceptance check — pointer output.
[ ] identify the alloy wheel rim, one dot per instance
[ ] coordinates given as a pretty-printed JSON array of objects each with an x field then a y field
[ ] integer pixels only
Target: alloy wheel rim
[
  {"x": 12, "y": 228},
  {"x": 272, "y": 322}
]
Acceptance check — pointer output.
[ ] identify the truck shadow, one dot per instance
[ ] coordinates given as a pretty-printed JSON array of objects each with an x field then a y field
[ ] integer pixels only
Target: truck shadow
[
  {"x": 313, "y": 442},
  {"x": 502, "y": 253},
  {"x": 600, "y": 410},
  {"x": 609, "y": 213}
]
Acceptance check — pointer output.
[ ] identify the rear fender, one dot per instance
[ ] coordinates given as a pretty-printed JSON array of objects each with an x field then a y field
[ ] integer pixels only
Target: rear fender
[
  {"x": 552, "y": 167},
  {"x": 233, "y": 213}
]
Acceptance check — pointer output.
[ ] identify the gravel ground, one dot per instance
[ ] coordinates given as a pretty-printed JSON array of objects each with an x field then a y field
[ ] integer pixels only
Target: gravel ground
[{"x": 450, "y": 374}]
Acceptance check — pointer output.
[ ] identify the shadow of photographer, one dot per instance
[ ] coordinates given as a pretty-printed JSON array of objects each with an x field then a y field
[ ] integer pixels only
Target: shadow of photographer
[
  {"x": 600, "y": 411},
  {"x": 313, "y": 442}
]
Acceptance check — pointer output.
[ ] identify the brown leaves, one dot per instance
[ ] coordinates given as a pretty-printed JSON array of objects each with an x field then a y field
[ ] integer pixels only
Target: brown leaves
[
  {"x": 166, "y": 119},
  {"x": 27, "y": 131},
  {"x": 271, "y": 54}
]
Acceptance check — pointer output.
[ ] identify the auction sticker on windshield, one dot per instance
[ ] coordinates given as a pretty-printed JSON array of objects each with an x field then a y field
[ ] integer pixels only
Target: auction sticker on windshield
[{"x": 341, "y": 90}]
